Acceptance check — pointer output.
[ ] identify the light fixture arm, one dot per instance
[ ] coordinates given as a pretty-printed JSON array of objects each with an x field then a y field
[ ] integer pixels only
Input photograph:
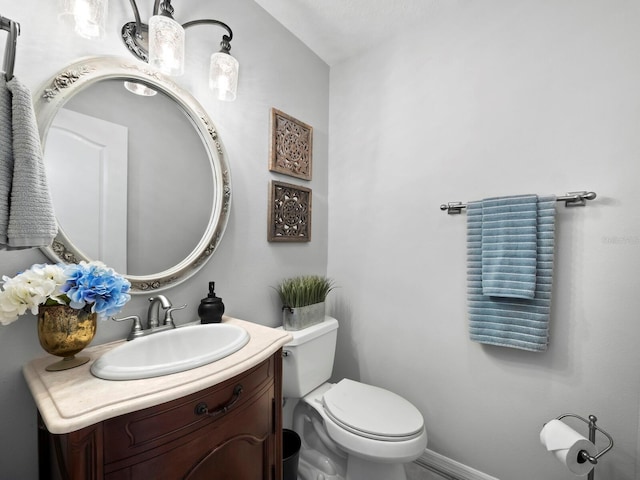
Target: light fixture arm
[
  {"x": 156, "y": 6},
  {"x": 136, "y": 14},
  {"x": 226, "y": 39}
]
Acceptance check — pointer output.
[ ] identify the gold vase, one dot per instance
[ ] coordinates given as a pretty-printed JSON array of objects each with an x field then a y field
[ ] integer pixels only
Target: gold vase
[{"x": 63, "y": 332}]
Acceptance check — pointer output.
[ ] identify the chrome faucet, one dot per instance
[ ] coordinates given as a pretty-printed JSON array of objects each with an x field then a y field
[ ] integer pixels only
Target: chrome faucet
[
  {"x": 153, "y": 318},
  {"x": 154, "y": 310}
]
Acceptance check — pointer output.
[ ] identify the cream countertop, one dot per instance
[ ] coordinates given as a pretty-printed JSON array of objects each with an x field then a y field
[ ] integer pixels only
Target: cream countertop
[{"x": 73, "y": 399}]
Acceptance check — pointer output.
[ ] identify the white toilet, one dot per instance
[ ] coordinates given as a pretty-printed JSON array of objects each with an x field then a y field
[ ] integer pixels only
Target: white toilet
[{"x": 349, "y": 430}]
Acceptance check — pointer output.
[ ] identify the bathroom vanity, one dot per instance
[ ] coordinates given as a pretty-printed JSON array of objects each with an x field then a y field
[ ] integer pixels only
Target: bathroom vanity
[{"x": 219, "y": 421}]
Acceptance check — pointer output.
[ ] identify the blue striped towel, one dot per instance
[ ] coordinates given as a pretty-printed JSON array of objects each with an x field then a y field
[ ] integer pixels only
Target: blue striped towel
[
  {"x": 509, "y": 226},
  {"x": 511, "y": 322}
]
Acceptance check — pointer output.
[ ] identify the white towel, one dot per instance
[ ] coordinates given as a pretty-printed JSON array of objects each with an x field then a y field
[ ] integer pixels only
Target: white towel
[{"x": 27, "y": 219}]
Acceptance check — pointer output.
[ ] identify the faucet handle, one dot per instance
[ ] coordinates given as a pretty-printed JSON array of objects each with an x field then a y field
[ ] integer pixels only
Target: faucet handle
[
  {"x": 168, "y": 319},
  {"x": 136, "y": 327}
]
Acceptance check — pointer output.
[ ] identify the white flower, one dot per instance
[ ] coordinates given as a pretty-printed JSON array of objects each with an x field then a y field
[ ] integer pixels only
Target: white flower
[
  {"x": 14, "y": 301},
  {"x": 28, "y": 290}
]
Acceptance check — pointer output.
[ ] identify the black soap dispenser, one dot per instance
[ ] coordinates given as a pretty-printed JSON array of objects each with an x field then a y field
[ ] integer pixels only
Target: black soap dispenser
[{"x": 211, "y": 308}]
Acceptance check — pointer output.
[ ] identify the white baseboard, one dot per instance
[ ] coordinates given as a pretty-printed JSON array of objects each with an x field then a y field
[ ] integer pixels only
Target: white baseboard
[{"x": 450, "y": 468}]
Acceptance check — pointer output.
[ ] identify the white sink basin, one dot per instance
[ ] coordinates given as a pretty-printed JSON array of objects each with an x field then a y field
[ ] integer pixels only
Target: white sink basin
[{"x": 170, "y": 351}]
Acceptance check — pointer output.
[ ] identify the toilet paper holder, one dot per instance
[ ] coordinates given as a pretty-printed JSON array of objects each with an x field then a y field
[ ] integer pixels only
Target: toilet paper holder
[{"x": 584, "y": 456}]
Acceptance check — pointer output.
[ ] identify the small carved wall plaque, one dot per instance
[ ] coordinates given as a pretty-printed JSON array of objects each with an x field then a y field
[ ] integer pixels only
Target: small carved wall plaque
[
  {"x": 289, "y": 213},
  {"x": 291, "y": 146}
]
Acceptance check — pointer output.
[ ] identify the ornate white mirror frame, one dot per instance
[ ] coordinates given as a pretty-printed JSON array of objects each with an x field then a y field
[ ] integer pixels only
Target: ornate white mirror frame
[{"x": 83, "y": 73}]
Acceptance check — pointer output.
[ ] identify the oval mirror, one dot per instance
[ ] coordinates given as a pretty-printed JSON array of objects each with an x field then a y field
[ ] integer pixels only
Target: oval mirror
[{"x": 138, "y": 182}]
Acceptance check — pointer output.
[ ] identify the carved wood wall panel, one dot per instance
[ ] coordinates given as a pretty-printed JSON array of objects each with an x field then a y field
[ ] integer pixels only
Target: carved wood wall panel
[
  {"x": 291, "y": 146},
  {"x": 289, "y": 213}
]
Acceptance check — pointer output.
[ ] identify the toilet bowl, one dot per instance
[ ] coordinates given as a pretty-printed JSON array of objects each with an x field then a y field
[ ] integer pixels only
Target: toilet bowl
[{"x": 349, "y": 430}]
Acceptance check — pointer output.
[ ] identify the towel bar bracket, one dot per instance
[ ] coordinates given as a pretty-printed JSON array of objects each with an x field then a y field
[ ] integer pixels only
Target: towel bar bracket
[
  {"x": 452, "y": 208},
  {"x": 577, "y": 199}
]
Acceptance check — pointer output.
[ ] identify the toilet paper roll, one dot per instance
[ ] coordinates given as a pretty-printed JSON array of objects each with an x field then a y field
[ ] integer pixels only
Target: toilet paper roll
[{"x": 565, "y": 443}]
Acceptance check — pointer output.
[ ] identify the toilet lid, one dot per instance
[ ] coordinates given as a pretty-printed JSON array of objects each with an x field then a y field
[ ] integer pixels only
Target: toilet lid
[{"x": 372, "y": 412}]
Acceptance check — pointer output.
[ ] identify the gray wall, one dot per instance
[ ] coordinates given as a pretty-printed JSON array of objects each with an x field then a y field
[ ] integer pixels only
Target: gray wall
[
  {"x": 276, "y": 70},
  {"x": 485, "y": 99}
]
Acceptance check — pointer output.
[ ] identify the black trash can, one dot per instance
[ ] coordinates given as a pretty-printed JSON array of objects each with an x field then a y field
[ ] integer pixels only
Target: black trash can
[{"x": 290, "y": 454}]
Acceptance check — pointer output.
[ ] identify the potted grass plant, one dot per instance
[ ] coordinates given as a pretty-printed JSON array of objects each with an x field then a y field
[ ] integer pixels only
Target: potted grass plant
[{"x": 303, "y": 300}]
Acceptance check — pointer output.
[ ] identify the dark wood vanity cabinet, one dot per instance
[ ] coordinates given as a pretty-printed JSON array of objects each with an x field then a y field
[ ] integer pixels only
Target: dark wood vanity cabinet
[{"x": 231, "y": 431}]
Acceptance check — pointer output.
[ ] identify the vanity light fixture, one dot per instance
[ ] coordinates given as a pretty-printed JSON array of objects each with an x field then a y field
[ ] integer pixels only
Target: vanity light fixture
[{"x": 161, "y": 44}]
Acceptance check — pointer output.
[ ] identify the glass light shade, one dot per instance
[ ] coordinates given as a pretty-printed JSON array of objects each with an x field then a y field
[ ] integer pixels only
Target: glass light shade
[
  {"x": 88, "y": 16},
  {"x": 223, "y": 76},
  {"x": 166, "y": 45}
]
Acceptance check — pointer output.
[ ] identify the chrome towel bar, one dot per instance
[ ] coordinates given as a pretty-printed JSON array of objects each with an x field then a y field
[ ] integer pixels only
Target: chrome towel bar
[{"x": 571, "y": 199}]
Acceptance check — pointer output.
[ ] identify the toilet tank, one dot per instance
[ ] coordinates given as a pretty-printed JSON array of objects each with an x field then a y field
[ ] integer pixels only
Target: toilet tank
[{"x": 308, "y": 360}]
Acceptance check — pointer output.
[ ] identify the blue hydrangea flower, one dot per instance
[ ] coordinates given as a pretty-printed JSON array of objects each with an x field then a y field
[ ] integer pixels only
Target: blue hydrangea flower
[{"x": 95, "y": 284}]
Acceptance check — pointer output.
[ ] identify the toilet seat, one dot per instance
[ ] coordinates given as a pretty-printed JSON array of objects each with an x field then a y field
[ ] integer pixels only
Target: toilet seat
[
  {"x": 372, "y": 412},
  {"x": 374, "y": 447}
]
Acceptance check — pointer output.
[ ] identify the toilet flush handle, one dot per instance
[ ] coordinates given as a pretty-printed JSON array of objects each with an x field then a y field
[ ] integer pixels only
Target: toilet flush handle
[{"x": 286, "y": 353}]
